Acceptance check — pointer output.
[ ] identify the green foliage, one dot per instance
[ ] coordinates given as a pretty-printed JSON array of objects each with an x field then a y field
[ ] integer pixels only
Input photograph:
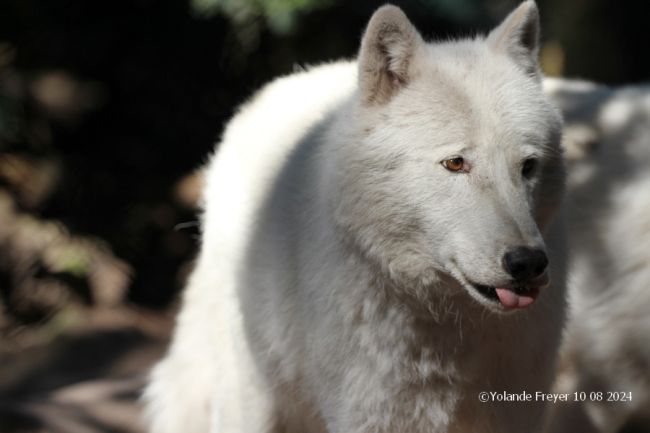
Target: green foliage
[
  {"x": 458, "y": 10},
  {"x": 279, "y": 14}
]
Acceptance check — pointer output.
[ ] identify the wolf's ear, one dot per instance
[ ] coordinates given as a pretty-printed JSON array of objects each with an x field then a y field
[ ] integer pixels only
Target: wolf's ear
[
  {"x": 518, "y": 36},
  {"x": 387, "y": 50}
]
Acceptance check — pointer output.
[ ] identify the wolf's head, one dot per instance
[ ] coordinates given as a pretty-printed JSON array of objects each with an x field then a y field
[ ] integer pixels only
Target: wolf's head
[{"x": 452, "y": 161}]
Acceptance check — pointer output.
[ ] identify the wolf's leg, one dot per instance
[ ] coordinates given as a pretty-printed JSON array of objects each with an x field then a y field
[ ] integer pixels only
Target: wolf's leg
[{"x": 207, "y": 382}]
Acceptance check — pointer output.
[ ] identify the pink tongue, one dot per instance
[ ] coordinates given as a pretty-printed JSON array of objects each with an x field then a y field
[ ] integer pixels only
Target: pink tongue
[{"x": 514, "y": 301}]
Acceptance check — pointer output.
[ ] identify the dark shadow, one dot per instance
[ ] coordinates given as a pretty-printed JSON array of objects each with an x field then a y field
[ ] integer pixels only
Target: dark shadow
[
  {"x": 73, "y": 360},
  {"x": 13, "y": 420}
]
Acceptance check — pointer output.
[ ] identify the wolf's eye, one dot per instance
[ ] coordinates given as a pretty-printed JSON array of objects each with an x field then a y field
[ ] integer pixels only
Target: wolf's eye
[
  {"x": 528, "y": 167},
  {"x": 453, "y": 164}
]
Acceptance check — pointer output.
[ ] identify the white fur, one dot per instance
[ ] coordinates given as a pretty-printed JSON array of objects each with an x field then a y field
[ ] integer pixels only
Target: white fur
[
  {"x": 608, "y": 338},
  {"x": 209, "y": 337},
  {"x": 332, "y": 292}
]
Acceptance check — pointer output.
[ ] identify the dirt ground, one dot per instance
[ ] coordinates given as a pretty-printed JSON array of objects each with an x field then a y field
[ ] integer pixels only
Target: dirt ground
[{"x": 86, "y": 380}]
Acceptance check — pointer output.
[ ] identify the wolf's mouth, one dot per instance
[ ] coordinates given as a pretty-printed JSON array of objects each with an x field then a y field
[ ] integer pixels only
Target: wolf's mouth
[
  {"x": 510, "y": 297},
  {"x": 487, "y": 291}
]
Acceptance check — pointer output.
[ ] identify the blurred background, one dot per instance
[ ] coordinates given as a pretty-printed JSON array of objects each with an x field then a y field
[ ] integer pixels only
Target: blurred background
[{"x": 107, "y": 108}]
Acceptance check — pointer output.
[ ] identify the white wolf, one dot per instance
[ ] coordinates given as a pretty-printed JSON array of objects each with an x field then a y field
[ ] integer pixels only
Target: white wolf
[
  {"x": 369, "y": 229},
  {"x": 608, "y": 341}
]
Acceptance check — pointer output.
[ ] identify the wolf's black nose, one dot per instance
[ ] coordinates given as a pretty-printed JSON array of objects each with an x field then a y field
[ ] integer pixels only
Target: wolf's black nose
[{"x": 523, "y": 263}]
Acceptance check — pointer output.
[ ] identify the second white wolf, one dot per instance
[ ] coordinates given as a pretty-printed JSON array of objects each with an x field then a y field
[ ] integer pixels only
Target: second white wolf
[{"x": 607, "y": 351}]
